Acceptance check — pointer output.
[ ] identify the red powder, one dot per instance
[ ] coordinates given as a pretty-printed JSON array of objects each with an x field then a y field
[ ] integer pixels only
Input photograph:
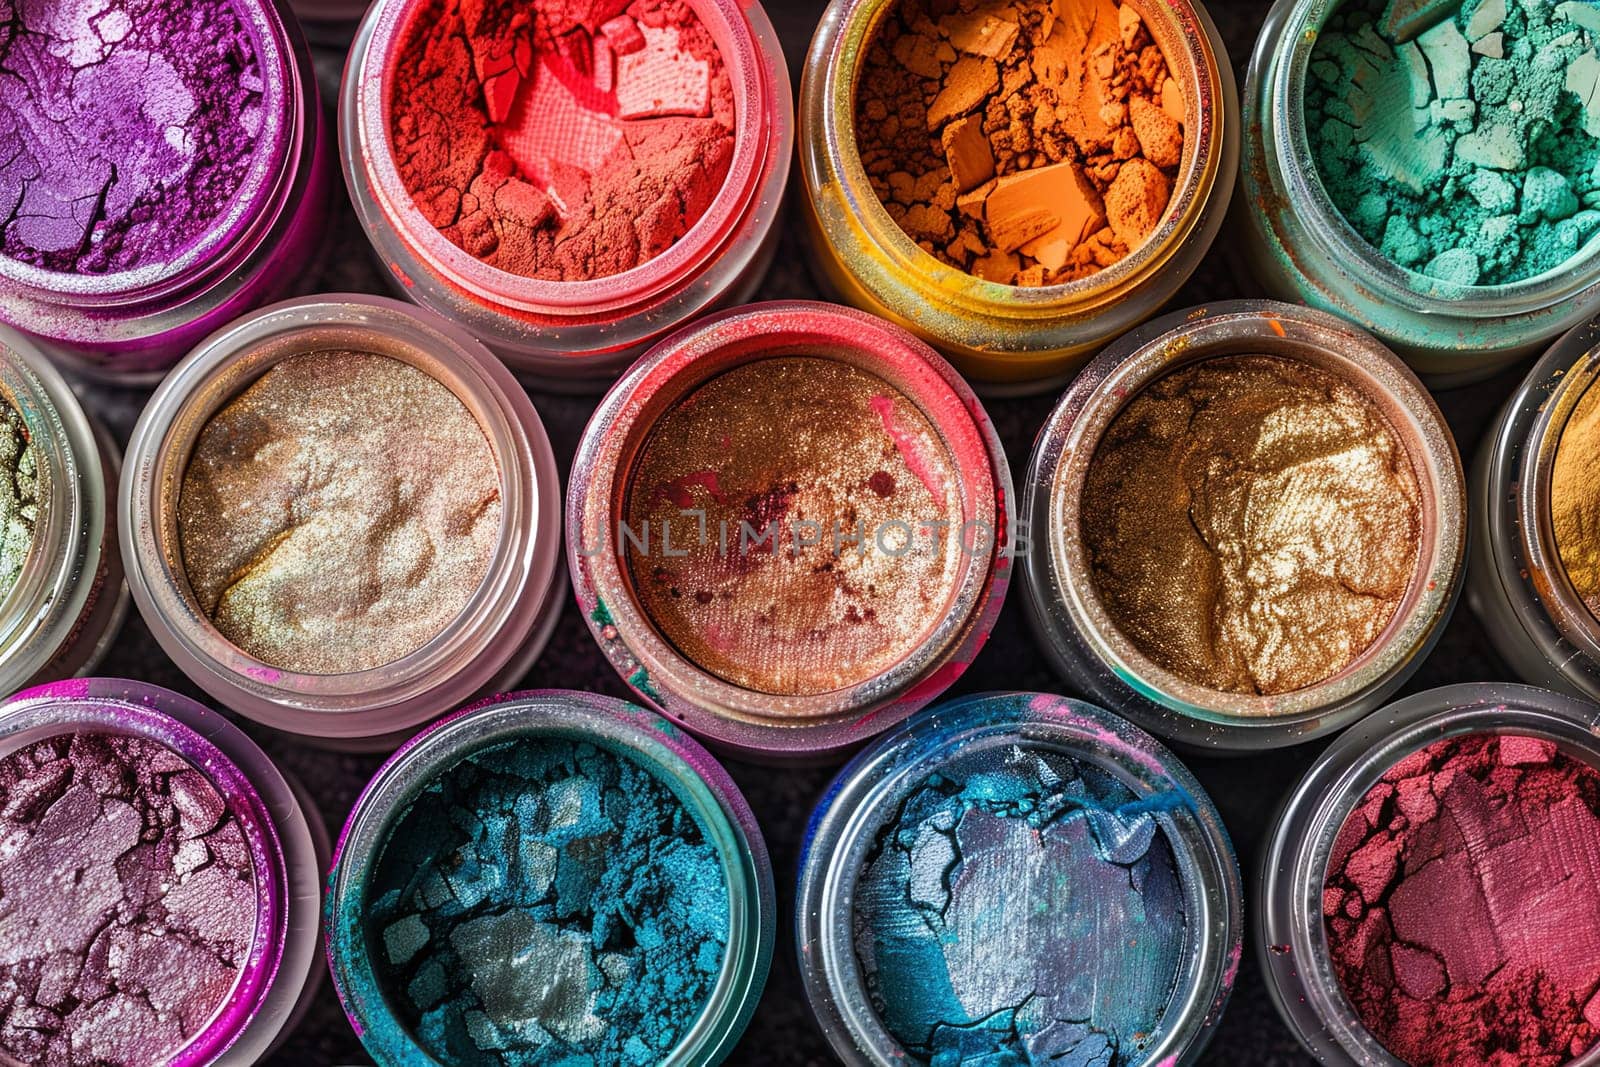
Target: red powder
[
  {"x": 1463, "y": 905},
  {"x": 561, "y": 139}
]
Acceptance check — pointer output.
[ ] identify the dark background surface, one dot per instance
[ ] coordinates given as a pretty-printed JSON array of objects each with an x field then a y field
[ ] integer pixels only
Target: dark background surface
[{"x": 1246, "y": 790}]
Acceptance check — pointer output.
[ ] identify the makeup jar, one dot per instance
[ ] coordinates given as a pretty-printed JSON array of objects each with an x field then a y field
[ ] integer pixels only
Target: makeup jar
[
  {"x": 340, "y": 573},
  {"x": 552, "y": 874},
  {"x": 564, "y": 319},
  {"x": 147, "y": 834},
  {"x": 1017, "y": 875},
  {"x": 1008, "y": 338},
  {"x": 789, "y": 527},
  {"x": 198, "y": 141},
  {"x": 1311, "y": 544},
  {"x": 1531, "y": 484},
  {"x": 1387, "y": 939},
  {"x": 62, "y": 595},
  {"x": 1440, "y": 313}
]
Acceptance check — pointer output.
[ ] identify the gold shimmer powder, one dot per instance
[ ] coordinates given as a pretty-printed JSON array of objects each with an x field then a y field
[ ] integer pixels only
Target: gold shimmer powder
[
  {"x": 789, "y": 526},
  {"x": 339, "y": 513},
  {"x": 1575, "y": 499},
  {"x": 1252, "y": 523}
]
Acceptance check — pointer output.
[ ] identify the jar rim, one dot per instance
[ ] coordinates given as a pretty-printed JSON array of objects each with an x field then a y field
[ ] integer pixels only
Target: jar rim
[
  {"x": 453, "y": 665},
  {"x": 628, "y": 732}
]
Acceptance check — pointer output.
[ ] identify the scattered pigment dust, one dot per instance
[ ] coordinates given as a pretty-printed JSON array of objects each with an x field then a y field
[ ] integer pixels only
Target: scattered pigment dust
[
  {"x": 562, "y": 139},
  {"x": 791, "y": 526},
  {"x": 339, "y": 513},
  {"x": 1575, "y": 499},
  {"x": 547, "y": 901},
  {"x": 128, "y": 902},
  {"x": 1461, "y": 140},
  {"x": 1021, "y": 907},
  {"x": 1252, "y": 523},
  {"x": 126, "y": 128},
  {"x": 1463, "y": 905},
  {"x": 19, "y": 495},
  {"x": 1028, "y": 142}
]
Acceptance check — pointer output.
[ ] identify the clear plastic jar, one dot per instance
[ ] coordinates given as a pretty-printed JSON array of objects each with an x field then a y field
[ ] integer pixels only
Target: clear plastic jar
[
  {"x": 69, "y": 599},
  {"x": 130, "y": 327},
  {"x": 854, "y": 815},
  {"x": 1301, "y": 248},
  {"x": 772, "y": 725},
  {"x": 628, "y": 732},
  {"x": 578, "y": 336},
  {"x": 1008, "y": 339},
  {"x": 504, "y": 625},
  {"x": 282, "y": 972},
  {"x": 1292, "y": 938},
  {"x": 1073, "y": 625},
  {"x": 1517, "y": 584}
]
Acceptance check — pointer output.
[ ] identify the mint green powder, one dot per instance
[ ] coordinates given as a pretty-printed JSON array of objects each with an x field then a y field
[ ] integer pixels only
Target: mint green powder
[{"x": 1463, "y": 141}]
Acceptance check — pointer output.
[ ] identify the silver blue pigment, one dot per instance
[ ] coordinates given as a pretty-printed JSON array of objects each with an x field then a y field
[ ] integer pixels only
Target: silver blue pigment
[
  {"x": 1022, "y": 908},
  {"x": 547, "y": 901}
]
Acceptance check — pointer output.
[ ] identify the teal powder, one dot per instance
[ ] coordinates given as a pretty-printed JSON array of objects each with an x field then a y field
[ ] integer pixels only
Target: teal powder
[
  {"x": 1022, "y": 908},
  {"x": 19, "y": 496},
  {"x": 548, "y": 902},
  {"x": 1469, "y": 153}
]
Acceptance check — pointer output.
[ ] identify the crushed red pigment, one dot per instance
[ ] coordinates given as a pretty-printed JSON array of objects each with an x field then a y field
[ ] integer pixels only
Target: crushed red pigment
[
  {"x": 563, "y": 140},
  {"x": 1463, "y": 905}
]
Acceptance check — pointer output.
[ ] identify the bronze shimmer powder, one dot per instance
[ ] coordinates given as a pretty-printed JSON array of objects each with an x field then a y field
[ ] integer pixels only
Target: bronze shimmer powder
[
  {"x": 789, "y": 526},
  {"x": 1575, "y": 499},
  {"x": 339, "y": 513},
  {"x": 1252, "y": 523}
]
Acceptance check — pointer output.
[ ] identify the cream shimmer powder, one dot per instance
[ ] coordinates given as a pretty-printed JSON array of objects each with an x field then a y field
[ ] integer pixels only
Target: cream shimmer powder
[
  {"x": 1252, "y": 523},
  {"x": 799, "y": 516},
  {"x": 339, "y": 513}
]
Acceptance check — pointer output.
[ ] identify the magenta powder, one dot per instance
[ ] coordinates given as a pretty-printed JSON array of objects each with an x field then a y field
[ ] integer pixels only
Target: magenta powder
[
  {"x": 126, "y": 128},
  {"x": 1462, "y": 905},
  {"x": 128, "y": 901}
]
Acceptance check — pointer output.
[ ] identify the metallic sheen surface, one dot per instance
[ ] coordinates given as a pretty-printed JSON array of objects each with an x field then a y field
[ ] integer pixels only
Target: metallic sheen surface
[
  {"x": 1575, "y": 498},
  {"x": 339, "y": 513},
  {"x": 861, "y": 491},
  {"x": 1252, "y": 523}
]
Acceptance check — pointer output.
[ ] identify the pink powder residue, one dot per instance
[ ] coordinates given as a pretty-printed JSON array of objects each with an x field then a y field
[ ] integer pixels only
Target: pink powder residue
[
  {"x": 910, "y": 448},
  {"x": 1463, "y": 905}
]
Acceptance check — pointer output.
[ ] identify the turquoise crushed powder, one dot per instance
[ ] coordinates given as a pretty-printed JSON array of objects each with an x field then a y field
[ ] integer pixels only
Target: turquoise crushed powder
[
  {"x": 1022, "y": 908},
  {"x": 548, "y": 902},
  {"x": 1462, "y": 141}
]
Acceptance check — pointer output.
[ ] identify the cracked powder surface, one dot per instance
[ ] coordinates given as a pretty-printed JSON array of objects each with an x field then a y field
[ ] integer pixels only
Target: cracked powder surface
[
  {"x": 1462, "y": 902},
  {"x": 1252, "y": 523},
  {"x": 127, "y": 901},
  {"x": 1021, "y": 907},
  {"x": 547, "y": 901},
  {"x": 563, "y": 140},
  {"x": 339, "y": 513},
  {"x": 19, "y": 495},
  {"x": 126, "y": 128}
]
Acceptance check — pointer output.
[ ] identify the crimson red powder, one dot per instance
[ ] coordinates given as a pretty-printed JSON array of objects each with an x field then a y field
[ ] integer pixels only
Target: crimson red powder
[
  {"x": 1463, "y": 905},
  {"x": 561, "y": 139}
]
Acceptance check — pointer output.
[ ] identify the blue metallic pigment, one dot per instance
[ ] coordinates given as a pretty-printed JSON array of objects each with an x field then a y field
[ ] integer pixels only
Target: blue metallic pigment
[
  {"x": 1021, "y": 907},
  {"x": 548, "y": 902}
]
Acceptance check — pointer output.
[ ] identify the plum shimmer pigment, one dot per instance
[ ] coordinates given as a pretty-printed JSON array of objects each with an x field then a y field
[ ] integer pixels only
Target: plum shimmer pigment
[
  {"x": 128, "y": 901},
  {"x": 561, "y": 139},
  {"x": 126, "y": 127},
  {"x": 339, "y": 513},
  {"x": 760, "y": 451},
  {"x": 1462, "y": 905},
  {"x": 1252, "y": 523}
]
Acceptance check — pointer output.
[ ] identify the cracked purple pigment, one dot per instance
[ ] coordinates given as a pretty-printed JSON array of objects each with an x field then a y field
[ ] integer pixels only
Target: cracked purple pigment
[{"x": 127, "y": 128}]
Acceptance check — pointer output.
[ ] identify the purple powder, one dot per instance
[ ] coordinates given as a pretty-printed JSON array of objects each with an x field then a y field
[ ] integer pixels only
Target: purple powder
[
  {"x": 126, "y": 128},
  {"x": 128, "y": 901}
]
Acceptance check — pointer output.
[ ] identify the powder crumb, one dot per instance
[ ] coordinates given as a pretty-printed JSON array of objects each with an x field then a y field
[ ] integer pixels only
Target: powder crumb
[
  {"x": 1070, "y": 105},
  {"x": 562, "y": 140},
  {"x": 1252, "y": 523},
  {"x": 1480, "y": 945}
]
